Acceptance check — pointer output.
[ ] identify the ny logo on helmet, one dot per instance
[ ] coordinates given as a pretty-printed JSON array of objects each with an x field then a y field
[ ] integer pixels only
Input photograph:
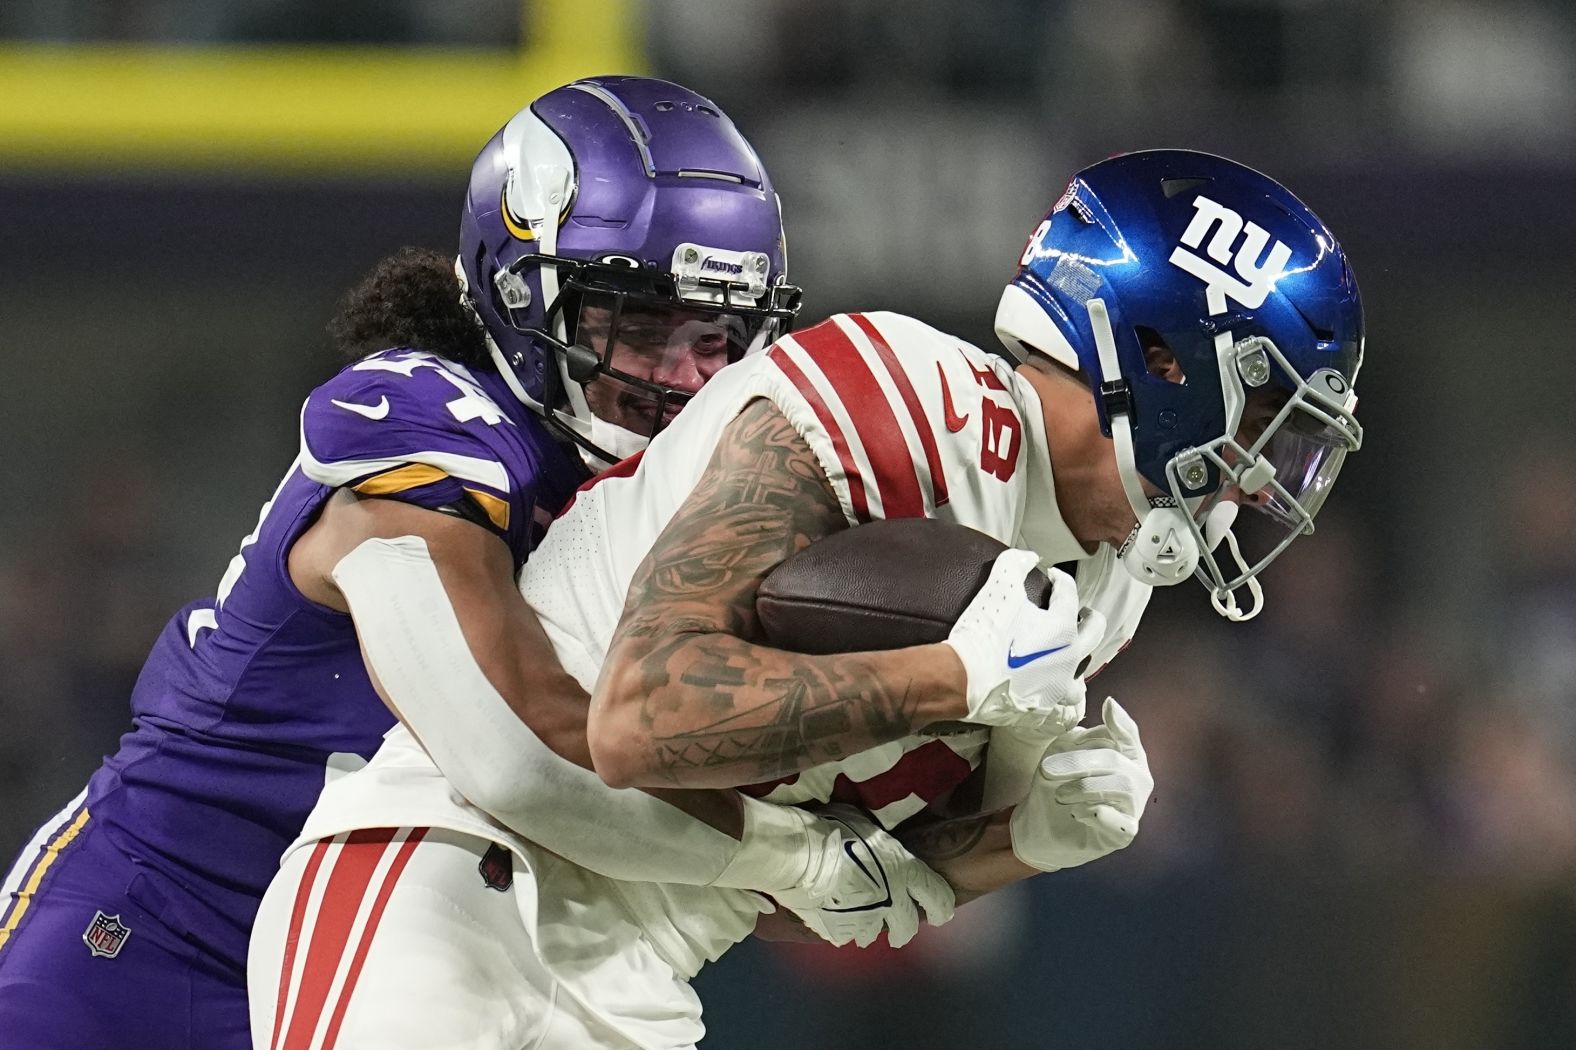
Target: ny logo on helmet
[{"x": 1258, "y": 273}]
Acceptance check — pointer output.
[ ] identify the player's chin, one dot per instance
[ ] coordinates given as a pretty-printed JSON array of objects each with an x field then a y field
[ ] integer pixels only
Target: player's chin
[{"x": 640, "y": 414}]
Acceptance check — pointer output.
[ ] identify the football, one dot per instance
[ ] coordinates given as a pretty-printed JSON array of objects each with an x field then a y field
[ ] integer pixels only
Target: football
[{"x": 885, "y": 585}]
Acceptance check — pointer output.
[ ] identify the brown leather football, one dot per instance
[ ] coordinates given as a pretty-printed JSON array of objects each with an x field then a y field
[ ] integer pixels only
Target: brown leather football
[{"x": 885, "y": 585}]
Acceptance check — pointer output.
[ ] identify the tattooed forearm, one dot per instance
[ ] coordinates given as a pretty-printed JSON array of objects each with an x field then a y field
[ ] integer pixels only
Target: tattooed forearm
[
  {"x": 753, "y": 714},
  {"x": 946, "y": 839},
  {"x": 685, "y": 679},
  {"x": 973, "y": 853}
]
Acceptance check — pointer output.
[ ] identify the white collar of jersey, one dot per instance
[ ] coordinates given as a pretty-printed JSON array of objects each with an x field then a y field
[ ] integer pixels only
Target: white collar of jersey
[{"x": 1042, "y": 530}]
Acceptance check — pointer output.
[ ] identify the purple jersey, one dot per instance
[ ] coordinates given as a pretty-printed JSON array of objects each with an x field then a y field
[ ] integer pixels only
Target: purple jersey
[{"x": 247, "y": 702}]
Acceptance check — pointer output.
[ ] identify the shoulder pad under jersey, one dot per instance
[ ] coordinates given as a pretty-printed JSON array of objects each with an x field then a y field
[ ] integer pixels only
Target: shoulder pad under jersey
[
  {"x": 414, "y": 426},
  {"x": 884, "y": 400}
]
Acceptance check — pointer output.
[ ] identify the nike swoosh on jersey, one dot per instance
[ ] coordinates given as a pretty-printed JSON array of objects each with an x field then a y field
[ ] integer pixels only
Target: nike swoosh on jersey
[
  {"x": 954, "y": 421},
  {"x": 1016, "y": 660},
  {"x": 377, "y": 411}
]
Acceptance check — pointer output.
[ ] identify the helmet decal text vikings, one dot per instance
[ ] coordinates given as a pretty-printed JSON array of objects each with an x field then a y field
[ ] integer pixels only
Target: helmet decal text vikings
[{"x": 1258, "y": 273}]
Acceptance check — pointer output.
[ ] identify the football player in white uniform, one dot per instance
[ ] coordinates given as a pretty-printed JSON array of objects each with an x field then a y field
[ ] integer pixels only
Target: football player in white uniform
[{"x": 1217, "y": 324}]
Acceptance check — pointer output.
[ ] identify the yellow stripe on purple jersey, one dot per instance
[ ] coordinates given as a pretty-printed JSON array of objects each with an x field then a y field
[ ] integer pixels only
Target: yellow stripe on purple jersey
[
  {"x": 410, "y": 476},
  {"x": 35, "y": 875},
  {"x": 497, "y": 509}
]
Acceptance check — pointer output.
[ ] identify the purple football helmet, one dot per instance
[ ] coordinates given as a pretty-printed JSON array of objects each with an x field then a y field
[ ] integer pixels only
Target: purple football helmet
[{"x": 620, "y": 242}]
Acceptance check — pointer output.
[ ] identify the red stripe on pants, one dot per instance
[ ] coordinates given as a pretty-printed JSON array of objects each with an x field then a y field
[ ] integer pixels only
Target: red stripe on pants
[
  {"x": 293, "y": 936},
  {"x": 357, "y": 858},
  {"x": 400, "y": 860}
]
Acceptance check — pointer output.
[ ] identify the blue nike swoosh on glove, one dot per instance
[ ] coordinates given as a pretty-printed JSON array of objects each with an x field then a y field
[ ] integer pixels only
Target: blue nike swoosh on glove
[{"x": 1028, "y": 658}]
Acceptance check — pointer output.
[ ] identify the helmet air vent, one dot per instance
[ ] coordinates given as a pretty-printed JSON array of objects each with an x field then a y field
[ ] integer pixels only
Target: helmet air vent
[
  {"x": 691, "y": 173},
  {"x": 1172, "y": 187},
  {"x": 669, "y": 107},
  {"x": 1324, "y": 335}
]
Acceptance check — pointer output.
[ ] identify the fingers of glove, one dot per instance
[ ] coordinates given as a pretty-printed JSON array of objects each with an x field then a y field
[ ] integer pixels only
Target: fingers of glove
[
  {"x": 865, "y": 934},
  {"x": 1111, "y": 823},
  {"x": 1091, "y": 632},
  {"x": 1122, "y": 790},
  {"x": 1008, "y": 571},
  {"x": 837, "y": 936},
  {"x": 996, "y": 605},
  {"x": 1122, "y": 728},
  {"x": 932, "y": 893},
  {"x": 1082, "y": 763},
  {"x": 1078, "y": 738},
  {"x": 1063, "y": 603},
  {"x": 902, "y": 921}
]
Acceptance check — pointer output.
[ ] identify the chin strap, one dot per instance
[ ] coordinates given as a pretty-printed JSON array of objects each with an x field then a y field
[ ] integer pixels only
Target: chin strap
[
  {"x": 1225, "y": 602},
  {"x": 597, "y": 434},
  {"x": 1161, "y": 550},
  {"x": 1118, "y": 407},
  {"x": 1217, "y": 527}
]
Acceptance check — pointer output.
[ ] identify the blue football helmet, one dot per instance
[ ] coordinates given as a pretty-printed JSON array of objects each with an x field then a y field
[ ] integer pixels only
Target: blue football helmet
[
  {"x": 620, "y": 241},
  {"x": 1219, "y": 326}
]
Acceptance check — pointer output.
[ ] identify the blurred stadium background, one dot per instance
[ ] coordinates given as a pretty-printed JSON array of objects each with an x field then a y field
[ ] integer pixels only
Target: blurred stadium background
[{"x": 1365, "y": 828}]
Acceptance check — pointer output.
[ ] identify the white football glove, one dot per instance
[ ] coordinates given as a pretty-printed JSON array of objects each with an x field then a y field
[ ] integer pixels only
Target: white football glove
[
  {"x": 1022, "y": 662},
  {"x": 864, "y": 881},
  {"x": 1087, "y": 796}
]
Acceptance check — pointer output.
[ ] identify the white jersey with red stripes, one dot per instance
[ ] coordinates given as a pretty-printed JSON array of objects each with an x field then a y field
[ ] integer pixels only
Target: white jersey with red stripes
[{"x": 906, "y": 421}]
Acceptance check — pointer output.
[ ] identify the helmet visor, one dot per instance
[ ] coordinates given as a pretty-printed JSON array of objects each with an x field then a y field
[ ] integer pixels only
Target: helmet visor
[
  {"x": 1282, "y": 462},
  {"x": 1306, "y": 465}
]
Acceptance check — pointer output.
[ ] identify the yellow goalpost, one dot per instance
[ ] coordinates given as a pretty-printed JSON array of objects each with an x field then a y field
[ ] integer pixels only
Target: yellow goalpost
[{"x": 294, "y": 109}]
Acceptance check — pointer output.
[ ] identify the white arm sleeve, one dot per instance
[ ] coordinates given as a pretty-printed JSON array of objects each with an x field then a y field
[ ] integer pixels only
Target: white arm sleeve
[
  {"x": 413, "y": 643},
  {"x": 1013, "y": 758}
]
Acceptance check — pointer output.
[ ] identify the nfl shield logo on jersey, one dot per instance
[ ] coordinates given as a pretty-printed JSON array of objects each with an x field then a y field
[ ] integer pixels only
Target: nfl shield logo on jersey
[
  {"x": 497, "y": 868},
  {"x": 106, "y": 935}
]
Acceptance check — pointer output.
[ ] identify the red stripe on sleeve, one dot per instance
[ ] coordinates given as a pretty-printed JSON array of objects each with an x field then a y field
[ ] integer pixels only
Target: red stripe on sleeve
[
  {"x": 885, "y": 447},
  {"x": 929, "y": 771},
  {"x": 357, "y": 858},
  {"x": 400, "y": 860},
  {"x": 856, "y": 485},
  {"x": 927, "y": 436}
]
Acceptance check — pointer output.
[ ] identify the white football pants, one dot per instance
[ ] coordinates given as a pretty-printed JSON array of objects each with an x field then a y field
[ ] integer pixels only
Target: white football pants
[{"x": 389, "y": 939}]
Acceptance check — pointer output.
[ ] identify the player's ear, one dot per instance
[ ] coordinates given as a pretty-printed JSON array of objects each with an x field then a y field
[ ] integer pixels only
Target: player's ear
[{"x": 1159, "y": 359}]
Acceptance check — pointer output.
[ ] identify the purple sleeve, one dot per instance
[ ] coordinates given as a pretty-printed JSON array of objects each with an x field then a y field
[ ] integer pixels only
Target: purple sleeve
[{"x": 410, "y": 426}]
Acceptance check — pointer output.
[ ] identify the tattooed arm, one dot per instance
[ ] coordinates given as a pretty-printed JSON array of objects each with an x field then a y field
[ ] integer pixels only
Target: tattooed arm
[
  {"x": 973, "y": 853},
  {"x": 686, "y": 698}
]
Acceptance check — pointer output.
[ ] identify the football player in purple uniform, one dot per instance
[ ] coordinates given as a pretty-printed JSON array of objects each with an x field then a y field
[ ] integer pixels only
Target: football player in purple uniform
[{"x": 638, "y": 251}]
